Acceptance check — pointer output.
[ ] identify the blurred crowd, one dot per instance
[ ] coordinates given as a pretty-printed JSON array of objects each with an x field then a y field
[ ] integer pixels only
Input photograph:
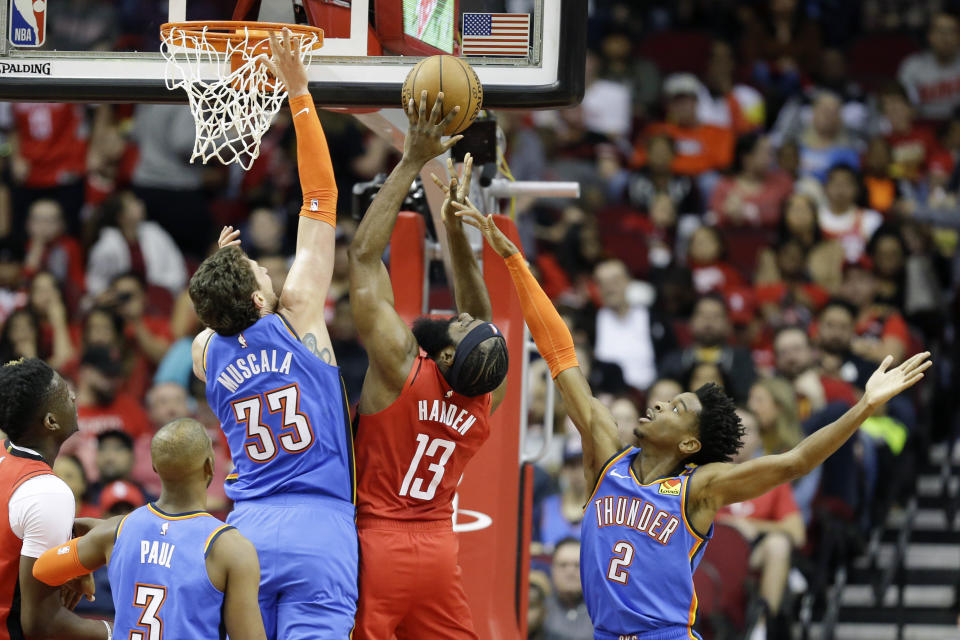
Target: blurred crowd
[{"x": 769, "y": 202}]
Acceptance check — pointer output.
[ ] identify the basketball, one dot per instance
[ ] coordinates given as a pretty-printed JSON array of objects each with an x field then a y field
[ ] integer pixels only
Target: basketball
[{"x": 458, "y": 82}]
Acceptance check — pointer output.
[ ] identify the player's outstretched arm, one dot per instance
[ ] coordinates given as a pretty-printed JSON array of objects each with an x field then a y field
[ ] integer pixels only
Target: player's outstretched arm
[
  {"x": 596, "y": 425},
  {"x": 305, "y": 290},
  {"x": 719, "y": 484},
  {"x": 469, "y": 289},
  {"x": 389, "y": 342},
  {"x": 234, "y": 568},
  {"x": 45, "y": 608}
]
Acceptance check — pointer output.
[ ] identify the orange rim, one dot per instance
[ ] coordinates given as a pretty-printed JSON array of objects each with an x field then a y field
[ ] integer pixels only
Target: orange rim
[{"x": 220, "y": 33}]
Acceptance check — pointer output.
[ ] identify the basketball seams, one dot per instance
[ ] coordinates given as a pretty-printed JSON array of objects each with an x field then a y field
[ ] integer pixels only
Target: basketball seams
[
  {"x": 464, "y": 91},
  {"x": 465, "y": 110}
]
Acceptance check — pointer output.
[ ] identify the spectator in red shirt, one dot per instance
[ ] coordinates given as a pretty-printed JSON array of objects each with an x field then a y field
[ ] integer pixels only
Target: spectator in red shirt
[
  {"x": 700, "y": 147},
  {"x": 912, "y": 145},
  {"x": 46, "y": 302},
  {"x": 771, "y": 523},
  {"x": 49, "y": 158},
  {"x": 754, "y": 194},
  {"x": 880, "y": 329},
  {"x": 796, "y": 361},
  {"x": 793, "y": 298},
  {"x": 49, "y": 248},
  {"x": 101, "y": 406},
  {"x": 705, "y": 257},
  {"x": 146, "y": 337}
]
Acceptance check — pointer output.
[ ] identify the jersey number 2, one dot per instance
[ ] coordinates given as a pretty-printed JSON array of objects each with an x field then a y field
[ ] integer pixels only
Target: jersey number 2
[
  {"x": 261, "y": 445},
  {"x": 414, "y": 486},
  {"x": 149, "y": 598},
  {"x": 622, "y": 558}
]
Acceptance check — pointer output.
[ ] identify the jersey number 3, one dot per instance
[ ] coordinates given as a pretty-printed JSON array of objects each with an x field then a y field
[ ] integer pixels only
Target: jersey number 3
[
  {"x": 261, "y": 442},
  {"x": 149, "y": 598},
  {"x": 622, "y": 558},
  {"x": 414, "y": 486}
]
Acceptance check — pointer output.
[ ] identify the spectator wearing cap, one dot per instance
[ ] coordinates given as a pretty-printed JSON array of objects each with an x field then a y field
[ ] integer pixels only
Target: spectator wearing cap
[
  {"x": 711, "y": 331},
  {"x": 841, "y": 217},
  {"x": 880, "y": 329},
  {"x": 115, "y": 462},
  {"x": 119, "y": 498},
  {"x": 773, "y": 526},
  {"x": 562, "y": 512},
  {"x": 826, "y": 142},
  {"x": 754, "y": 194},
  {"x": 796, "y": 361},
  {"x": 101, "y": 406},
  {"x": 567, "y": 617},
  {"x": 932, "y": 78},
  {"x": 700, "y": 147}
]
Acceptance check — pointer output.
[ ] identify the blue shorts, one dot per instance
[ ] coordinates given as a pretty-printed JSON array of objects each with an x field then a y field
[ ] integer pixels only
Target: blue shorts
[{"x": 307, "y": 547}]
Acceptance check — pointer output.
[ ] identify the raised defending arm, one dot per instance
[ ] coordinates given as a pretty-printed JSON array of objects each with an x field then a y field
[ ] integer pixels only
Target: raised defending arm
[
  {"x": 596, "y": 425},
  {"x": 718, "y": 484},
  {"x": 390, "y": 344},
  {"x": 305, "y": 290}
]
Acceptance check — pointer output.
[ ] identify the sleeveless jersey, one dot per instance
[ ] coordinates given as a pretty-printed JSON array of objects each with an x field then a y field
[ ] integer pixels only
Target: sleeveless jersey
[
  {"x": 283, "y": 411},
  {"x": 638, "y": 554},
  {"x": 16, "y": 467},
  {"x": 158, "y": 575},
  {"x": 410, "y": 456}
]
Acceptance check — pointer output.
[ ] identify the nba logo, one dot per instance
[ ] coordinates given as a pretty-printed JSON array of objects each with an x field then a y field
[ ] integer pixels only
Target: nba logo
[{"x": 28, "y": 23}]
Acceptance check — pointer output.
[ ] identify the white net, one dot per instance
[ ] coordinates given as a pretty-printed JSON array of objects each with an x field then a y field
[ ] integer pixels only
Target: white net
[{"x": 232, "y": 94}]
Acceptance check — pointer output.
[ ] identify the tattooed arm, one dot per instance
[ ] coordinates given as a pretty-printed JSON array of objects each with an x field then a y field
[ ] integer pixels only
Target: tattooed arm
[{"x": 324, "y": 353}]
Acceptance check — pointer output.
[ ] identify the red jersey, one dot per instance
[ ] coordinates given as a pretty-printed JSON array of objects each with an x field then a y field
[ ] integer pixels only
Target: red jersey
[
  {"x": 15, "y": 469},
  {"x": 773, "y": 506},
  {"x": 52, "y": 138},
  {"x": 410, "y": 456}
]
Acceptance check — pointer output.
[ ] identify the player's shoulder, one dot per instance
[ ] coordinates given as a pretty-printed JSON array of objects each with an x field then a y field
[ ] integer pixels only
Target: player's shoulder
[
  {"x": 230, "y": 547},
  {"x": 40, "y": 486},
  {"x": 198, "y": 351}
]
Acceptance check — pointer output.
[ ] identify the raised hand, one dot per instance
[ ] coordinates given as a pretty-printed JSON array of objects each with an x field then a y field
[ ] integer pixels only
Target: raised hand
[
  {"x": 285, "y": 63},
  {"x": 884, "y": 384},
  {"x": 456, "y": 191},
  {"x": 500, "y": 242},
  {"x": 229, "y": 237},
  {"x": 423, "y": 138}
]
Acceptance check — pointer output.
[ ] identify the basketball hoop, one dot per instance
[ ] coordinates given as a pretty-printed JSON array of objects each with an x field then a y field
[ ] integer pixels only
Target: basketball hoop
[{"x": 232, "y": 94}]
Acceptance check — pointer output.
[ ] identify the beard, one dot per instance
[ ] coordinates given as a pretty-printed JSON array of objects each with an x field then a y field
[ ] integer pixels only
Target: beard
[{"x": 432, "y": 335}]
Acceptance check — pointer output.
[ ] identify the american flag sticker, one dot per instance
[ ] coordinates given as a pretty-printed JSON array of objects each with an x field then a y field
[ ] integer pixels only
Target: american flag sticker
[{"x": 496, "y": 34}]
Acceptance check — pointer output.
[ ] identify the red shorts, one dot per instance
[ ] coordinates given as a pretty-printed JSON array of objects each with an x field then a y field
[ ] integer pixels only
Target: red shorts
[{"x": 410, "y": 582}]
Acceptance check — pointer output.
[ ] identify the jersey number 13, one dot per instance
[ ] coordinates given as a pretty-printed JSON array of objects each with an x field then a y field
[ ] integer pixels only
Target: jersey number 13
[{"x": 412, "y": 485}]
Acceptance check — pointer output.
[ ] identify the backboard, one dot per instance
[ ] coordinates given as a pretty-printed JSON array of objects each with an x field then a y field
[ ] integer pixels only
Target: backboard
[{"x": 108, "y": 50}]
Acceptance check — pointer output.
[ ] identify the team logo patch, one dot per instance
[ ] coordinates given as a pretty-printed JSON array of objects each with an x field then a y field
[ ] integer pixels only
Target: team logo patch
[
  {"x": 28, "y": 23},
  {"x": 163, "y": 529},
  {"x": 671, "y": 487},
  {"x": 242, "y": 340},
  {"x": 314, "y": 205},
  {"x": 62, "y": 551}
]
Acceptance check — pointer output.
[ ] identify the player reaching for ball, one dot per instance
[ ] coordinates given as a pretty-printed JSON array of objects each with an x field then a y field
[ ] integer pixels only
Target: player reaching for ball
[
  {"x": 651, "y": 512},
  {"x": 273, "y": 383},
  {"x": 423, "y": 412}
]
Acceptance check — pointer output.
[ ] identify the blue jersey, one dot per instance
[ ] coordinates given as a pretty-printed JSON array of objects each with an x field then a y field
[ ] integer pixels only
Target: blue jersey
[
  {"x": 284, "y": 412},
  {"x": 158, "y": 575},
  {"x": 638, "y": 554}
]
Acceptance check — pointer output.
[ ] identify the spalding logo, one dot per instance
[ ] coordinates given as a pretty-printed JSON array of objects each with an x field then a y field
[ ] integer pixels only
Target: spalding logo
[{"x": 671, "y": 487}]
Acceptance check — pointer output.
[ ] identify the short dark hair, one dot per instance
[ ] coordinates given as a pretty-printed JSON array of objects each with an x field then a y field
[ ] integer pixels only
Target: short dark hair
[
  {"x": 221, "y": 291},
  {"x": 563, "y": 542},
  {"x": 116, "y": 434},
  {"x": 713, "y": 296},
  {"x": 485, "y": 368},
  {"x": 843, "y": 304},
  {"x": 721, "y": 431},
  {"x": 744, "y": 147},
  {"x": 24, "y": 390}
]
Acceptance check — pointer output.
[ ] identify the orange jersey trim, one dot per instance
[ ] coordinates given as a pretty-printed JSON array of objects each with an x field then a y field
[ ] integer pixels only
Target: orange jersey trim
[
  {"x": 185, "y": 516},
  {"x": 603, "y": 472},
  {"x": 213, "y": 535}
]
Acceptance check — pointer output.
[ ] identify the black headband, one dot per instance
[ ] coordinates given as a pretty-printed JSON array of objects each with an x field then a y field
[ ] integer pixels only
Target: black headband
[{"x": 467, "y": 345}]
